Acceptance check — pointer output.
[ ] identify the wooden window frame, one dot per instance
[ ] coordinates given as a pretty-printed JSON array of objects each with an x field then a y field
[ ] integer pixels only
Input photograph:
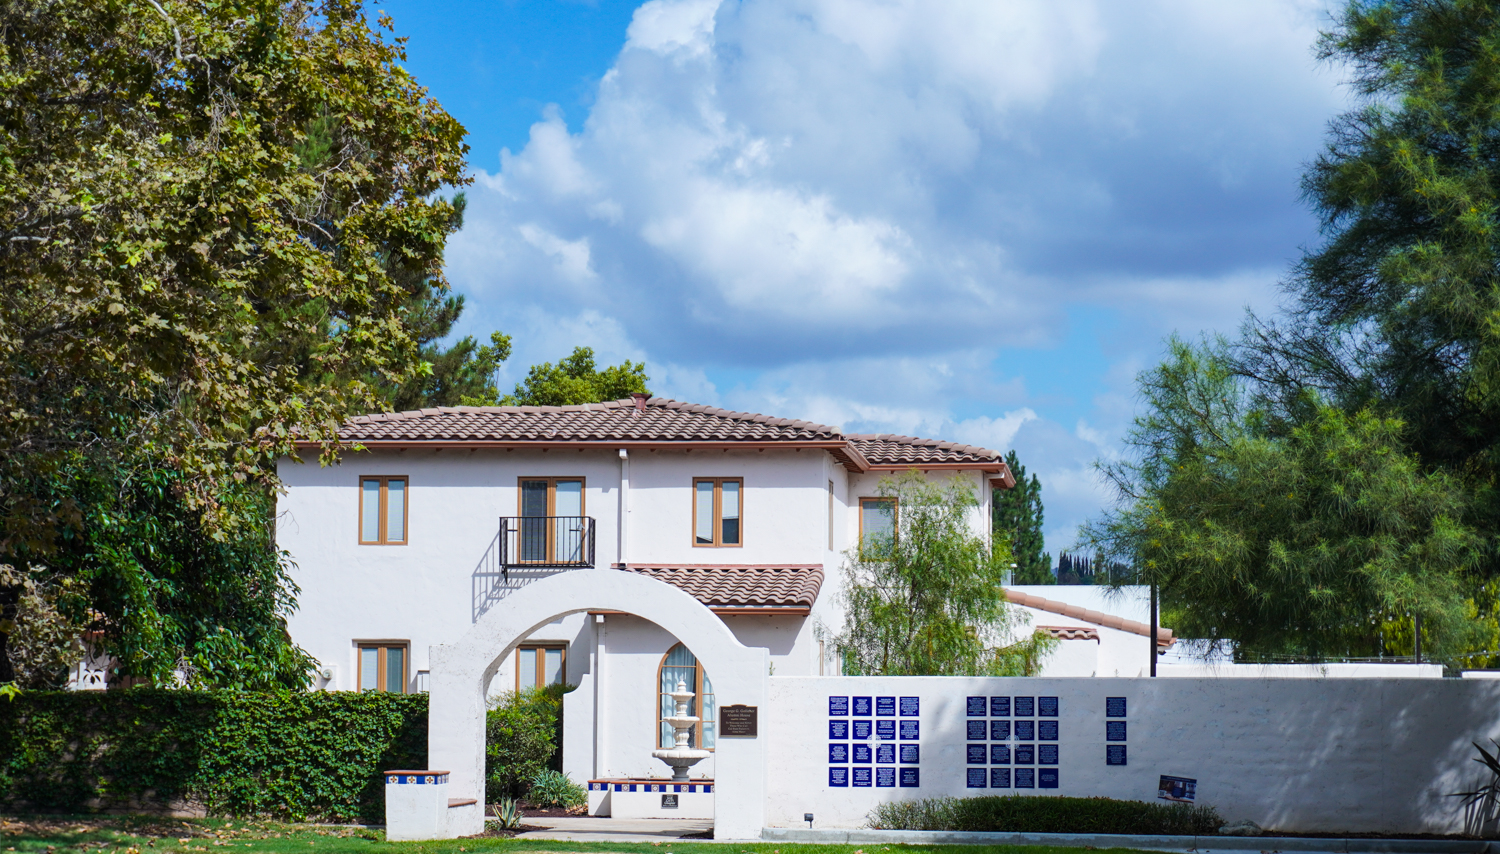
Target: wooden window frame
[
  {"x": 382, "y": 513},
  {"x": 718, "y": 526},
  {"x": 895, "y": 519},
  {"x": 583, "y": 492},
  {"x": 382, "y": 646},
  {"x": 534, "y": 649},
  {"x": 698, "y": 696}
]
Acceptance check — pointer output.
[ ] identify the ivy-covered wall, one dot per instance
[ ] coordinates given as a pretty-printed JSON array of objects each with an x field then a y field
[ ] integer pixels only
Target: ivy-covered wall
[{"x": 293, "y": 756}]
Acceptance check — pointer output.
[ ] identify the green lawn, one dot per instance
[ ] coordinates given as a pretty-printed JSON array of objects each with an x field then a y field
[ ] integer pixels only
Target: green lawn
[{"x": 140, "y": 835}]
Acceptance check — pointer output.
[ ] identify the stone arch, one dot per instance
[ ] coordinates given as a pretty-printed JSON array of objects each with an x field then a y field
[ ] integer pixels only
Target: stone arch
[{"x": 461, "y": 671}]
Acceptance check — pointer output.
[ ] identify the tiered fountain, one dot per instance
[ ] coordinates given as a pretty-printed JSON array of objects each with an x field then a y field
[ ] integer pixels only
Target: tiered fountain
[{"x": 679, "y": 755}]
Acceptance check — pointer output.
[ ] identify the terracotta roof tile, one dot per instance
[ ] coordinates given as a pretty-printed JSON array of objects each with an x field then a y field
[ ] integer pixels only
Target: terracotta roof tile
[
  {"x": 1164, "y": 636},
  {"x": 883, "y": 449},
  {"x": 1070, "y": 632},
  {"x": 731, "y": 587}
]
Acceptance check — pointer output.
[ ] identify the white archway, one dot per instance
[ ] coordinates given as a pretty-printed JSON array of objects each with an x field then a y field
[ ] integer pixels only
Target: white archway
[{"x": 460, "y": 674}]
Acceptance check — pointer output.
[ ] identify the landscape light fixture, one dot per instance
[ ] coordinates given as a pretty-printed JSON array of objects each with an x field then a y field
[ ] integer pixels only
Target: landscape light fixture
[{"x": 807, "y": 817}]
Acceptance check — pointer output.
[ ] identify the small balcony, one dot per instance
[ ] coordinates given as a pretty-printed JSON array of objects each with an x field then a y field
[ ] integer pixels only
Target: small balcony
[{"x": 543, "y": 542}]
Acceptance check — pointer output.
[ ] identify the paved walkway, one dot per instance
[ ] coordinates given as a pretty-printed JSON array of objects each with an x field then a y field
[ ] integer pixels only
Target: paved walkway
[{"x": 585, "y": 829}]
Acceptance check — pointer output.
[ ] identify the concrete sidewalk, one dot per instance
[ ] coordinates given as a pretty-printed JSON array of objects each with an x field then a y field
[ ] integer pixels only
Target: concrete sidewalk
[
  {"x": 588, "y": 829},
  {"x": 1199, "y": 844}
]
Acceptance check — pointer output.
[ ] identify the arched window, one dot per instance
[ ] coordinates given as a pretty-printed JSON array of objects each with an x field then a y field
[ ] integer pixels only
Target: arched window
[{"x": 681, "y": 665}]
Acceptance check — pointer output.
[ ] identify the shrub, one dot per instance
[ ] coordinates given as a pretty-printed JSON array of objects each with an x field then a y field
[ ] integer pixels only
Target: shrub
[
  {"x": 520, "y": 740},
  {"x": 293, "y": 756},
  {"x": 1031, "y": 814},
  {"x": 555, "y": 789}
]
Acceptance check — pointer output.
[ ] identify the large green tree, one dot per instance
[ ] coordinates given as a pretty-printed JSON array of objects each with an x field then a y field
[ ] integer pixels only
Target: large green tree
[
  {"x": 1018, "y": 517},
  {"x": 924, "y": 599},
  {"x": 576, "y": 380},
  {"x": 217, "y": 217}
]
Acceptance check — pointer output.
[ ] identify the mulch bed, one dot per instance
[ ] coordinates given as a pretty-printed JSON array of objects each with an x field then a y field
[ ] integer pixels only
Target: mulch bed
[{"x": 492, "y": 831}]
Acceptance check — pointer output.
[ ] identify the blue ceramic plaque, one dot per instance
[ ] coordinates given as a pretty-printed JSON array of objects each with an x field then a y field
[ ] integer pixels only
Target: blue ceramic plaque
[
  {"x": 863, "y": 776},
  {"x": 999, "y": 778},
  {"x": 977, "y": 730},
  {"x": 1046, "y": 707},
  {"x": 838, "y": 730},
  {"x": 999, "y": 707},
  {"x": 885, "y": 754},
  {"x": 885, "y": 707},
  {"x": 863, "y": 707},
  {"x": 1025, "y": 754},
  {"x": 911, "y": 754},
  {"x": 999, "y": 730},
  {"x": 1025, "y": 778},
  {"x": 978, "y": 754},
  {"x": 976, "y": 707},
  {"x": 999, "y": 754},
  {"x": 885, "y": 730},
  {"x": 911, "y": 777},
  {"x": 885, "y": 778},
  {"x": 838, "y": 707},
  {"x": 977, "y": 778},
  {"x": 911, "y": 707},
  {"x": 838, "y": 777},
  {"x": 1046, "y": 754},
  {"x": 1025, "y": 707},
  {"x": 863, "y": 754},
  {"x": 910, "y": 731},
  {"x": 1114, "y": 754},
  {"x": 1114, "y": 707},
  {"x": 1046, "y": 730},
  {"x": 1046, "y": 778},
  {"x": 838, "y": 754},
  {"x": 1114, "y": 731},
  {"x": 1025, "y": 730},
  {"x": 862, "y": 729}
]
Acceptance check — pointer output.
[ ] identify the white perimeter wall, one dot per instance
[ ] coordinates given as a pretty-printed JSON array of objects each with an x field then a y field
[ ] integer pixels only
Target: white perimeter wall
[{"x": 1292, "y": 754}]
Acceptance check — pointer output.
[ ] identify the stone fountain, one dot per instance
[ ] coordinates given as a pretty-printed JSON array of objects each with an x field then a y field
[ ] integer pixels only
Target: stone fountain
[{"x": 680, "y": 756}]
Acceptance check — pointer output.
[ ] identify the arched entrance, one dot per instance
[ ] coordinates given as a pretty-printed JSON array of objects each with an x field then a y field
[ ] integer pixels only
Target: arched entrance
[{"x": 460, "y": 673}]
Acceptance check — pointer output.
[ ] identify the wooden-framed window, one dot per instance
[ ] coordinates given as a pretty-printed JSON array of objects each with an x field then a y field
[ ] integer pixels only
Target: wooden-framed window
[
  {"x": 538, "y": 666},
  {"x": 383, "y": 666},
  {"x": 680, "y": 665},
  {"x": 382, "y": 511},
  {"x": 877, "y": 526},
  {"x": 717, "y": 512},
  {"x": 552, "y": 513}
]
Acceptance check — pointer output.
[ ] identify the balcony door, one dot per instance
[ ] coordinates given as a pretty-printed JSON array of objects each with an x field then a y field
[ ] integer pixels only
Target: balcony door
[{"x": 552, "y": 522}]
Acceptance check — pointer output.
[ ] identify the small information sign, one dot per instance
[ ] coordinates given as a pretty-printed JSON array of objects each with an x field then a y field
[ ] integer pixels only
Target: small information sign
[
  {"x": 1025, "y": 778},
  {"x": 1114, "y": 707},
  {"x": 739, "y": 721},
  {"x": 976, "y": 707},
  {"x": 1046, "y": 778},
  {"x": 1046, "y": 754},
  {"x": 863, "y": 707},
  {"x": 863, "y": 755},
  {"x": 910, "y": 731},
  {"x": 838, "y": 777},
  {"x": 1025, "y": 730},
  {"x": 669, "y": 802},
  {"x": 1114, "y": 754},
  {"x": 999, "y": 778},
  {"x": 838, "y": 754},
  {"x": 999, "y": 730},
  {"x": 999, "y": 754},
  {"x": 885, "y": 707},
  {"x": 838, "y": 730},
  {"x": 838, "y": 707},
  {"x": 885, "y": 754},
  {"x": 885, "y": 778},
  {"x": 911, "y": 706},
  {"x": 911, "y": 778},
  {"x": 911, "y": 754},
  {"x": 978, "y": 754},
  {"x": 977, "y": 730},
  {"x": 1046, "y": 730},
  {"x": 862, "y": 777},
  {"x": 999, "y": 707},
  {"x": 1046, "y": 707},
  {"x": 1114, "y": 731},
  {"x": 1180, "y": 789},
  {"x": 885, "y": 730},
  {"x": 1025, "y": 754},
  {"x": 1025, "y": 707},
  {"x": 977, "y": 778},
  {"x": 862, "y": 729}
]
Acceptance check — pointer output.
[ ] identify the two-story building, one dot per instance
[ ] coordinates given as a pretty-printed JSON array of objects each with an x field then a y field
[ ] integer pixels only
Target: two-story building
[{"x": 437, "y": 514}]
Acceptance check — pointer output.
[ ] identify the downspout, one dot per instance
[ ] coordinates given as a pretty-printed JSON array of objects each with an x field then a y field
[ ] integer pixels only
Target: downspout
[{"x": 624, "y": 506}]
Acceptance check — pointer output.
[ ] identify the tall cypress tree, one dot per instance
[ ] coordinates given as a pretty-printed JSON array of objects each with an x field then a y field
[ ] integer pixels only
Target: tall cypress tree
[{"x": 1017, "y": 515}]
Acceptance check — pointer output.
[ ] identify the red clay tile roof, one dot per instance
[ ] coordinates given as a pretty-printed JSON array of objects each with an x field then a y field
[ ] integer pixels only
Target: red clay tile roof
[
  {"x": 731, "y": 588},
  {"x": 656, "y": 421},
  {"x": 1070, "y": 632},
  {"x": 1164, "y": 637}
]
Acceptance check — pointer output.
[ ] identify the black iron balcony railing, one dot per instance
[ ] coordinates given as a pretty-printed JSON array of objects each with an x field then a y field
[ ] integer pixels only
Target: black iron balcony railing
[{"x": 546, "y": 541}]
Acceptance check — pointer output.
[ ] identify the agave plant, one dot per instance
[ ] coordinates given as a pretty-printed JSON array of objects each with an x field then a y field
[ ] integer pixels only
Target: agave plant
[
  {"x": 1482, "y": 806},
  {"x": 508, "y": 813}
]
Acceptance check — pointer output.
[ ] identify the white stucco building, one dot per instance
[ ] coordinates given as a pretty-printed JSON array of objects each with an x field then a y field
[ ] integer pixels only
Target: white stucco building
[{"x": 438, "y": 514}]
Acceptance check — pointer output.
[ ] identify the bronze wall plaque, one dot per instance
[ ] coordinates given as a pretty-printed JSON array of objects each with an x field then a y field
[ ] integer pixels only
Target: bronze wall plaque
[{"x": 739, "y": 721}]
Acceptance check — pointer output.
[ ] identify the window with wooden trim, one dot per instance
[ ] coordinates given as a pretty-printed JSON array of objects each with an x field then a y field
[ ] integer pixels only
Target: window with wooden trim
[
  {"x": 538, "y": 666},
  {"x": 382, "y": 667},
  {"x": 552, "y": 526},
  {"x": 877, "y": 527},
  {"x": 382, "y": 511},
  {"x": 717, "y": 509},
  {"x": 680, "y": 665}
]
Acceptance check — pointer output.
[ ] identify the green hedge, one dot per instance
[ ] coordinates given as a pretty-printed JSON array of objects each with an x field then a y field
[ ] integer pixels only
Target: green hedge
[
  {"x": 1028, "y": 814},
  {"x": 294, "y": 756}
]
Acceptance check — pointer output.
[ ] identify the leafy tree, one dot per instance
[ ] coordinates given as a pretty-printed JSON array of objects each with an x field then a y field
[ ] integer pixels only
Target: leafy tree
[
  {"x": 925, "y": 601},
  {"x": 522, "y": 734},
  {"x": 576, "y": 380},
  {"x": 217, "y": 217},
  {"x": 1307, "y": 536},
  {"x": 1018, "y": 517}
]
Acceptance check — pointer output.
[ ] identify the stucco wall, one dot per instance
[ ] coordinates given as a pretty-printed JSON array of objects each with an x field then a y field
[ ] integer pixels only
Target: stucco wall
[{"x": 1292, "y": 754}]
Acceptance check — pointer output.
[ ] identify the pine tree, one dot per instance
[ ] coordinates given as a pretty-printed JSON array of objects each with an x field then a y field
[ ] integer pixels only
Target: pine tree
[{"x": 1017, "y": 515}]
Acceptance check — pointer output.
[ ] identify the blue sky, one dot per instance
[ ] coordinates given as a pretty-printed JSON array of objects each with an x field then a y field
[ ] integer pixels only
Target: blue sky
[{"x": 974, "y": 220}]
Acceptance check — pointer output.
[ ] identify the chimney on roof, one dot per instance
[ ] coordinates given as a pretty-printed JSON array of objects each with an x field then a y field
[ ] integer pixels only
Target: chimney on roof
[{"x": 640, "y": 400}]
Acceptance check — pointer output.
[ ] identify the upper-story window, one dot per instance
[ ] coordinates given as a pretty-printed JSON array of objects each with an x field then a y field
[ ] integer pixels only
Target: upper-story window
[
  {"x": 716, "y": 511},
  {"x": 877, "y": 526},
  {"x": 552, "y": 527},
  {"x": 382, "y": 511}
]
